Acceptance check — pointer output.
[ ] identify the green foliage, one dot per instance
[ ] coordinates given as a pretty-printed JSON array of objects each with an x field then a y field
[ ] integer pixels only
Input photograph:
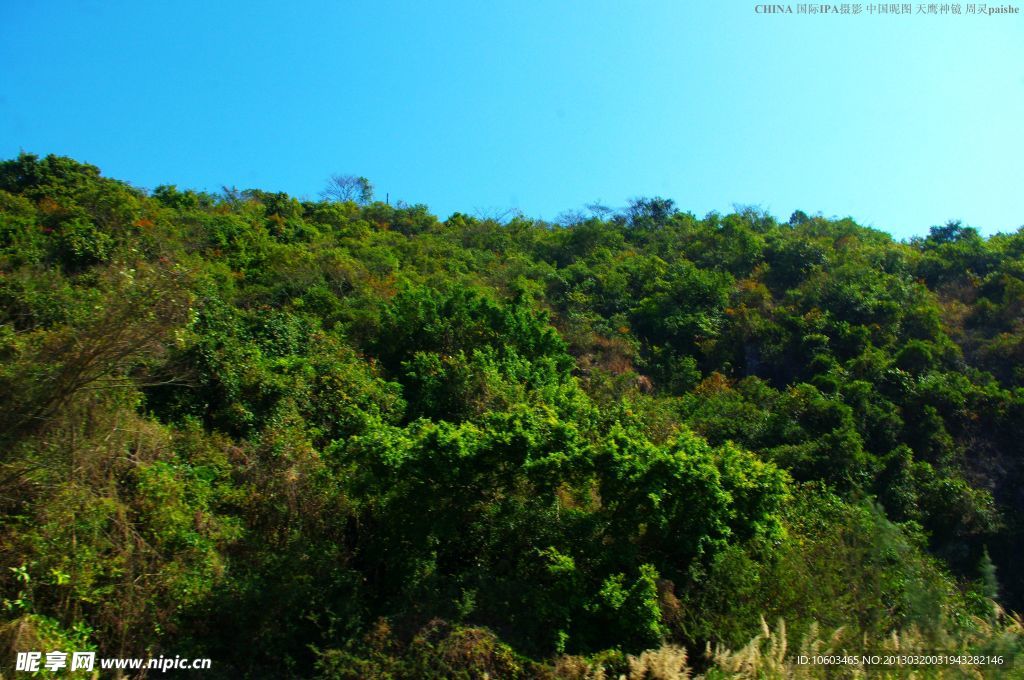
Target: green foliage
[{"x": 341, "y": 439}]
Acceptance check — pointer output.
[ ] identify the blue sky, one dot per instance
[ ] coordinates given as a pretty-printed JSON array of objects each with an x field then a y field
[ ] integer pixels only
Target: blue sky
[{"x": 901, "y": 122}]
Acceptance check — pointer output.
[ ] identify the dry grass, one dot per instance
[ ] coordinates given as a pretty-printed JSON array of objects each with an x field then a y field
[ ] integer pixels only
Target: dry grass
[
  {"x": 666, "y": 663},
  {"x": 768, "y": 656}
]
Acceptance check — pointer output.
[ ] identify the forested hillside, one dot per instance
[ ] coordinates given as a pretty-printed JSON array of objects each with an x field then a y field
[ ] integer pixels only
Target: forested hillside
[{"x": 344, "y": 439}]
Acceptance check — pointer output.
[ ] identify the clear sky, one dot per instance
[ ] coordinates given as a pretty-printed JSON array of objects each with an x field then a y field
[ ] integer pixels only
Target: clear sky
[{"x": 901, "y": 122}]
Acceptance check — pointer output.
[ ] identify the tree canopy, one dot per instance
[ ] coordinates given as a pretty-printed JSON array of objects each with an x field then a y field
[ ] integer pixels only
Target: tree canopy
[{"x": 341, "y": 438}]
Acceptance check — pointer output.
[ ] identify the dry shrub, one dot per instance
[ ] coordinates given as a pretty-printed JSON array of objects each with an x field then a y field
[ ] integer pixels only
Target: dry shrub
[{"x": 666, "y": 663}]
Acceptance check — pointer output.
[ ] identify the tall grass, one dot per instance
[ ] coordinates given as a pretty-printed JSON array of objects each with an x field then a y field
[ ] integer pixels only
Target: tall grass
[{"x": 769, "y": 656}]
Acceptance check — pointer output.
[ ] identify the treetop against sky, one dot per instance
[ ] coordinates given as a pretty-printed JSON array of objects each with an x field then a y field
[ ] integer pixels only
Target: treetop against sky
[{"x": 902, "y": 121}]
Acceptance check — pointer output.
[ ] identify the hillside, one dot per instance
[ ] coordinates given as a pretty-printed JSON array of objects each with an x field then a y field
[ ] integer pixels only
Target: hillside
[{"x": 345, "y": 439}]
